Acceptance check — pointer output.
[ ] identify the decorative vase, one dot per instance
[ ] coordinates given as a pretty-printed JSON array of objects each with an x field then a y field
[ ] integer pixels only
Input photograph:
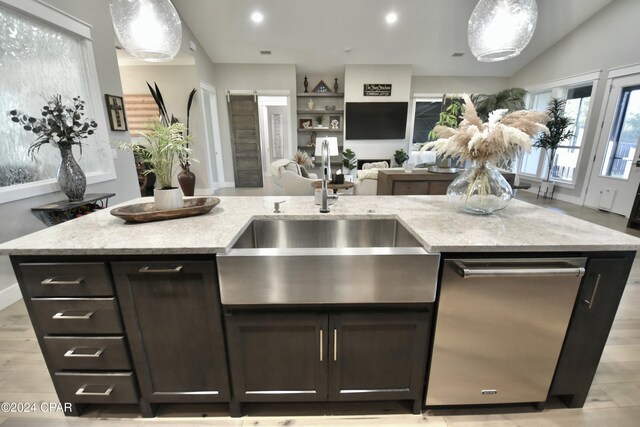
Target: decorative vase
[
  {"x": 187, "y": 180},
  {"x": 480, "y": 190},
  {"x": 169, "y": 198},
  {"x": 310, "y": 104},
  {"x": 71, "y": 178},
  {"x": 335, "y": 86},
  {"x": 306, "y": 84}
]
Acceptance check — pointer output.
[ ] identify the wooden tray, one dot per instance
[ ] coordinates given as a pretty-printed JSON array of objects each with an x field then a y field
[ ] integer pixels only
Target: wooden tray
[{"x": 146, "y": 212}]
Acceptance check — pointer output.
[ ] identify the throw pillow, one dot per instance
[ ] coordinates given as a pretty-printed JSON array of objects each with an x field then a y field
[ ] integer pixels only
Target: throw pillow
[
  {"x": 303, "y": 172},
  {"x": 375, "y": 165}
]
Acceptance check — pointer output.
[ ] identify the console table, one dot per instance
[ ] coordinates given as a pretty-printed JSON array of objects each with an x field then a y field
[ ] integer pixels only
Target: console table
[
  {"x": 64, "y": 210},
  {"x": 395, "y": 182}
]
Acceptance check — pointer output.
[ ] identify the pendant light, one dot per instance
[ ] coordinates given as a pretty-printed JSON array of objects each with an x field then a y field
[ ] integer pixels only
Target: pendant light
[
  {"x": 501, "y": 29},
  {"x": 149, "y": 30}
]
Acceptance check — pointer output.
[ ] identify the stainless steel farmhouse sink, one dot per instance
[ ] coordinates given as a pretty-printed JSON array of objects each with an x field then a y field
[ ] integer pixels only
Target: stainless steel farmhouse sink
[{"x": 332, "y": 261}]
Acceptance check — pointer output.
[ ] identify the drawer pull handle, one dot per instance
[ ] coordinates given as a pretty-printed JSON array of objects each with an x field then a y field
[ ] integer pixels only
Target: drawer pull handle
[
  {"x": 590, "y": 301},
  {"x": 335, "y": 345},
  {"x": 72, "y": 352},
  {"x": 107, "y": 392},
  {"x": 148, "y": 269},
  {"x": 321, "y": 341},
  {"x": 61, "y": 315},
  {"x": 53, "y": 281}
]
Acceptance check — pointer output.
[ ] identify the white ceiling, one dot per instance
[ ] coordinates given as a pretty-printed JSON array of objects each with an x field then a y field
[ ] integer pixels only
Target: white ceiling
[{"x": 314, "y": 34}]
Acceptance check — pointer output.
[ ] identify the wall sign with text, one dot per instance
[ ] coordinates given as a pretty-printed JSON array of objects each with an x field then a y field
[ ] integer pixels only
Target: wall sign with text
[{"x": 377, "y": 89}]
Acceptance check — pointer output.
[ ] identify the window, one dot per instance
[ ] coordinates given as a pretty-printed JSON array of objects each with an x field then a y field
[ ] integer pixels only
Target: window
[
  {"x": 426, "y": 113},
  {"x": 623, "y": 141},
  {"x": 565, "y": 163},
  {"x": 38, "y": 58}
]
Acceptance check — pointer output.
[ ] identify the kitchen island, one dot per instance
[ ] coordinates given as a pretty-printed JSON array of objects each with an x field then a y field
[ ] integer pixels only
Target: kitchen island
[{"x": 132, "y": 313}]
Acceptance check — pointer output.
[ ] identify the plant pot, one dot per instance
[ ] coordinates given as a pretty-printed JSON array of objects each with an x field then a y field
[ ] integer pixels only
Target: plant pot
[
  {"x": 165, "y": 199},
  {"x": 480, "y": 190},
  {"x": 187, "y": 181},
  {"x": 546, "y": 189},
  {"x": 70, "y": 176}
]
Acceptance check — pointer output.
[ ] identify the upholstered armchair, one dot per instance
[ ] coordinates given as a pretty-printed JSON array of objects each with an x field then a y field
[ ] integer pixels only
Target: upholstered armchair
[{"x": 295, "y": 184}]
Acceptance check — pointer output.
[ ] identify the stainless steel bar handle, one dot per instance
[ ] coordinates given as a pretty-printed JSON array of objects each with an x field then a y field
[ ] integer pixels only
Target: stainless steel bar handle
[
  {"x": 53, "y": 281},
  {"x": 466, "y": 272},
  {"x": 148, "y": 269},
  {"x": 81, "y": 391},
  {"x": 321, "y": 344},
  {"x": 61, "y": 315},
  {"x": 335, "y": 345},
  {"x": 72, "y": 353},
  {"x": 589, "y": 301}
]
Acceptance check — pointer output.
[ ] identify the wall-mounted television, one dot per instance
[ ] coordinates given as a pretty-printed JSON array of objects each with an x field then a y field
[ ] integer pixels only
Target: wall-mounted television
[{"x": 376, "y": 120}]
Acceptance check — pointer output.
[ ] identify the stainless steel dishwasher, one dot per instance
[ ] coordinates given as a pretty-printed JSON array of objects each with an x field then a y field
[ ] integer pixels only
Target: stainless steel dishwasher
[{"x": 499, "y": 329}]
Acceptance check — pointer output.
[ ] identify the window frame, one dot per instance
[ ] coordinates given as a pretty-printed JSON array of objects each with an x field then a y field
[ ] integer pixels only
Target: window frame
[
  {"x": 560, "y": 88},
  {"x": 419, "y": 97},
  {"x": 62, "y": 21}
]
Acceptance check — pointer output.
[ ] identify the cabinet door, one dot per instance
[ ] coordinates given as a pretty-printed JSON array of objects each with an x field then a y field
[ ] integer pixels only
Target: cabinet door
[
  {"x": 171, "y": 312},
  {"x": 377, "y": 355},
  {"x": 278, "y": 357},
  {"x": 593, "y": 315}
]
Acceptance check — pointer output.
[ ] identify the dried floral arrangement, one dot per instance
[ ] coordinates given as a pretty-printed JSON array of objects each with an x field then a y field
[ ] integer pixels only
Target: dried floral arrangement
[
  {"x": 303, "y": 159},
  {"x": 61, "y": 125},
  {"x": 503, "y": 137}
]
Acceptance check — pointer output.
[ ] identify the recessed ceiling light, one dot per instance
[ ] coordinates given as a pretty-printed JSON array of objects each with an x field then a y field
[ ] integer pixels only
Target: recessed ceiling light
[
  {"x": 257, "y": 17},
  {"x": 391, "y": 18}
]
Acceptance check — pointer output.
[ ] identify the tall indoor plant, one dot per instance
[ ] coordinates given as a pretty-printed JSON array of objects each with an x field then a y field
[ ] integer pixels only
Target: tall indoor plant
[
  {"x": 560, "y": 129},
  {"x": 163, "y": 144},
  {"x": 62, "y": 126},
  {"x": 186, "y": 178},
  {"x": 349, "y": 161}
]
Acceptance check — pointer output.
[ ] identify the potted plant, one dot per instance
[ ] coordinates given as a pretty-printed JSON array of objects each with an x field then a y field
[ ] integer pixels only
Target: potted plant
[
  {"x": 163, "y": 146},
  {"x": 186, "y": 178},
  {"x": 62, "y": 126},
  {"x": 560, "y": 129},
  {"x": 400, "y": 156},
  {"x": 320, "y": 120},
  {"x": 510, "y": 99},
  {"x": 349, "y": 161}
]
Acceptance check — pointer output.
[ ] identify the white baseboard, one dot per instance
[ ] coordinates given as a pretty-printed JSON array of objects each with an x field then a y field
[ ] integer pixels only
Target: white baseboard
[{"x": 9, "y": 295}]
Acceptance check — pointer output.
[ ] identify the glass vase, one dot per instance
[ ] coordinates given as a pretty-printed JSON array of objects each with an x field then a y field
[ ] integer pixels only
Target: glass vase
[
  {"x": 480, "y": 190},
  {"x": 71, "y": 178}
]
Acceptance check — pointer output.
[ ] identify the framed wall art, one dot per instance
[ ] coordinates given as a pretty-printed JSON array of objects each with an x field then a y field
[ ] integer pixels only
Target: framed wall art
[{"x": 117, "y": 116}]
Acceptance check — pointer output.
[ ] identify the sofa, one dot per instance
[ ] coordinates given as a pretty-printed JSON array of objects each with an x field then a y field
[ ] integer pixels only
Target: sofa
[
  {"x": 290, "y": 176},
  {"x": 367, "y": 182}
]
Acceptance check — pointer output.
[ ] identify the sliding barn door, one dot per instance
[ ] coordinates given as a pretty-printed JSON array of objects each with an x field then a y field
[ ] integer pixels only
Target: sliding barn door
[{"x": 245, "y": 141}]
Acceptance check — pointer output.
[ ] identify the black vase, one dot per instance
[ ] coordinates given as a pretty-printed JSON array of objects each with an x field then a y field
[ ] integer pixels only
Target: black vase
[
  {"x": 71, "y": 178},
  {"x": 187, "y": 181}
]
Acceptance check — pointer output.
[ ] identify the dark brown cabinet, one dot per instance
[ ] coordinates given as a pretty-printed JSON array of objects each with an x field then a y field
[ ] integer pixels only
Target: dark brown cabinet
[
  {"x": 596, "y": 305},
  {"x": 335, "y": 357},
  {"x": 172, "y": 319}
]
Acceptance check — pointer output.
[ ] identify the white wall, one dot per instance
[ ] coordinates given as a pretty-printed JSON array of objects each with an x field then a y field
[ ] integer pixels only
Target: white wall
[
  {"x": 259, "y": 77},
  {"x": 355, "y": 76},
  {"x": 608, "y": 40},
  {"x": 458, "y": 84},
  {"x": 17, "y": 219}
]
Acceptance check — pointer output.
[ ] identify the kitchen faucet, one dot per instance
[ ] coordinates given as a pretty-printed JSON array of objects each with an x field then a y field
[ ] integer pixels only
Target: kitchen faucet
[{"x": 324, "y": 192}]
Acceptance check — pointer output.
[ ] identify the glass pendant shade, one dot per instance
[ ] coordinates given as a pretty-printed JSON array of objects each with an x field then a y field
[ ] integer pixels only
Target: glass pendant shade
[
  {"x": 149, "y": 30},
  {"x": 501, "y": 29}
]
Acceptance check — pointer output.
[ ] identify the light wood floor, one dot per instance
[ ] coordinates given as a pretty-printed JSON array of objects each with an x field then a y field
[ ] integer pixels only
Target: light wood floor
[{"x": 614, "y": 399}]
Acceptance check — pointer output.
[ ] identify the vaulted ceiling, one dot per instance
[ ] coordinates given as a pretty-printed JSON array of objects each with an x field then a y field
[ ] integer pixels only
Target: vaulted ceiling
[{"x": 315, "y": 34}]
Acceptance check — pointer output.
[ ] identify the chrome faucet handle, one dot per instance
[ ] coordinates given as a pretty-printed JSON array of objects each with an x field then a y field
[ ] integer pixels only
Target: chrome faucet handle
[{"x": 276, "y": 206}]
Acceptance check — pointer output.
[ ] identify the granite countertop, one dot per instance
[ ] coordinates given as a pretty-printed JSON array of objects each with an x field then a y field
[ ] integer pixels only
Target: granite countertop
[{"x": 520, "y": 227}]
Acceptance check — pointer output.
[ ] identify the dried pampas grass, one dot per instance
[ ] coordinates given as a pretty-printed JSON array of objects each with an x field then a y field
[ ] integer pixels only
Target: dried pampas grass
[
  {"x": 502, "y": 137},
  {"x": 303, "y": 159}
]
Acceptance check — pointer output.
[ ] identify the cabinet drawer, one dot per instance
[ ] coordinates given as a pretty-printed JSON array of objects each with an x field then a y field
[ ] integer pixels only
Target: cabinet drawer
[
  {"x": 67, "y": 279},
  {"x": 87, "y": 353},
  {"x": 78, "y": 387},
  {"x": 72, "y": 316}
]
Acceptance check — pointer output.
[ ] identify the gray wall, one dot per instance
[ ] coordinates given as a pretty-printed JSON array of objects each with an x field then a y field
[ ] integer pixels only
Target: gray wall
[
  {"x": 250, "y": 77},
  {"x": 608, "y": 40},
  {"x": 16, "y": 216},
  {"x": 453, "y": 84}
]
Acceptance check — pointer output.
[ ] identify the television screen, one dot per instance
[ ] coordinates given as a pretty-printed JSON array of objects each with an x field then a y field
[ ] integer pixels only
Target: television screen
[{"x": 376, "y": 120}]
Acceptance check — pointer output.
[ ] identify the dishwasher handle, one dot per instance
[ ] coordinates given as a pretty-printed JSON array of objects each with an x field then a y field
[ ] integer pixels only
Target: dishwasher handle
[{"x": 470, "y": 272}]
